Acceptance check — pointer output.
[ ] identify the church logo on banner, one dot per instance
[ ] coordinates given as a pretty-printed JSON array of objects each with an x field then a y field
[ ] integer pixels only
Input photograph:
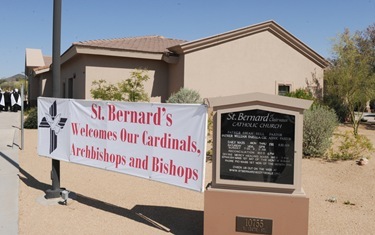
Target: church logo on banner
[{"x": 55, "y": 123}]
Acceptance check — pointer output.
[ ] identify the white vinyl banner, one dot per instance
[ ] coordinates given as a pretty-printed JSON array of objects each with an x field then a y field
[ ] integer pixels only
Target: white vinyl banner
[{"x": 161, "y": 142}]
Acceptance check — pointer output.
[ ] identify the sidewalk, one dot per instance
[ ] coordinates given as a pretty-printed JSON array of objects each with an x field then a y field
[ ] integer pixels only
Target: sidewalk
[{"x": 9, "y": 181}]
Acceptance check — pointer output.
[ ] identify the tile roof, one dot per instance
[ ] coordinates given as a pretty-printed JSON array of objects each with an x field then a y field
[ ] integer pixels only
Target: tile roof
[
  {"x": 153, "y": 44},
  {"x": 270, "y": 26}
]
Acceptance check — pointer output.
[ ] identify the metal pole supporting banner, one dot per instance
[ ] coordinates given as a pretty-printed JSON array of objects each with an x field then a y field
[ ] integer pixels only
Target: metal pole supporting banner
[
  {"x": 56, "y": 48},
  {"x": 22, "y": 114},
  {"x": 55, "y": 173}
]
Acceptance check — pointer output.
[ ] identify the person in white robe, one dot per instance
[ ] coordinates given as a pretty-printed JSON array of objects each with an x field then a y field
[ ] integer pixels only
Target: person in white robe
[
  {"x": 2, "y": 100},
  {"x": 7, "y": 100},
  {"x": 15, "y": 100}
]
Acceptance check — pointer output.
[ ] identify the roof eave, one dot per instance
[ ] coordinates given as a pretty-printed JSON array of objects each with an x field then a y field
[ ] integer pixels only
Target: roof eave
[
  {"x": 92, "y": 50},
  {"x": 270, "y": 26},
  {"x": 43, "y": 70},
  {"x": 267, "y": 99}
]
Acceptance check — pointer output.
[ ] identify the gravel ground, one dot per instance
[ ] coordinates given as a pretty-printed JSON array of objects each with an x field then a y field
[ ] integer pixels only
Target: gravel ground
[{"x": 112, "y": 203}]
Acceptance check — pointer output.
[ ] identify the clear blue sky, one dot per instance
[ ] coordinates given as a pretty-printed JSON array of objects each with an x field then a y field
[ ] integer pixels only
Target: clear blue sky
[{"x": 28, "y": 23}]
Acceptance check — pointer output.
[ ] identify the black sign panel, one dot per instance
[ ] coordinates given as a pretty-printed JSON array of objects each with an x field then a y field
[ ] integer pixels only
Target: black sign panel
[
  {"x": 253, "y": 225},
  {"x": 257, "y": 145}
]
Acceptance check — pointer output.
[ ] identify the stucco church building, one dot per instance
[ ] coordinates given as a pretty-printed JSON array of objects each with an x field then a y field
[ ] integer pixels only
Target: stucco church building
[{"x": 259, "y": 58}]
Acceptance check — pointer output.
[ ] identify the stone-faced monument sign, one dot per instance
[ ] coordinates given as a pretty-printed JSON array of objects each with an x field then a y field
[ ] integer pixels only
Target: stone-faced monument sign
[
  {"x": 257, "y": 159},
  {"x": 258, "y": 142}
]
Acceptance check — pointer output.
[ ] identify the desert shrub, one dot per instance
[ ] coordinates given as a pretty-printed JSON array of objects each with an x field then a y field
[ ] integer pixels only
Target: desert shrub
[
  {"x": 350, "y": 147},
  {"x": 102, "y": 90},
  {"x": 134, "y": 87},
  {"x": 301, "y": 94},
  {"x": 31, "y": 121},
  {"x": 210, "y": 128},
  {"x": 131, "y": 89},
  {"x": 372, "y": 105},
  {"x": 185, "y": 95},
  {"x": 189, "y": 96},
  {"x": 318, "y": 127},
  {"x": 337, "y": 104}
]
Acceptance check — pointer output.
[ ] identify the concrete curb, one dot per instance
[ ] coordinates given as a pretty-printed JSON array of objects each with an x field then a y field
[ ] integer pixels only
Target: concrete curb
[{"x": 9, "y": 170}]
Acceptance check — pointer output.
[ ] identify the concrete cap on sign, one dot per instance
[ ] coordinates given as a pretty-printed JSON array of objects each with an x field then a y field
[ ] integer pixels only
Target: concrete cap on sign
[{"x": 257, "y": 97}]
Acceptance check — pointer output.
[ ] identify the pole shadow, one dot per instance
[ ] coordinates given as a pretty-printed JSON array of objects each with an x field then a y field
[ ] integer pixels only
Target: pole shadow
[
  {"x": 177, "y": 220},
  {"x": 168, "y": 219}
]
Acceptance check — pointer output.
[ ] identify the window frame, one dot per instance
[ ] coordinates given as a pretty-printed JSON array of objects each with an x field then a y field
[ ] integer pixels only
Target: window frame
[{"x": 282, "y": 83}]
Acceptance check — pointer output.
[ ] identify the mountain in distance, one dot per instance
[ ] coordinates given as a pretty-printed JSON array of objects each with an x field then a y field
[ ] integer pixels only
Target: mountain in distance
[{"x": 13, "y": 78}]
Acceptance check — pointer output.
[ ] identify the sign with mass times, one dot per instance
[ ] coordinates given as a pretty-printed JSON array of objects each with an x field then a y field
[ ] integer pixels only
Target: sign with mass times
[{"x": 257, "y": 145}]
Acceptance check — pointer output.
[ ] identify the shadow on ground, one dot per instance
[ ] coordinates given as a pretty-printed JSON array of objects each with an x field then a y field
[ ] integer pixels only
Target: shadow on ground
[
  {"x": 369, "y": 126},
  {"x": 178, "y": 221},
  {"x": 168, "y": 219}
]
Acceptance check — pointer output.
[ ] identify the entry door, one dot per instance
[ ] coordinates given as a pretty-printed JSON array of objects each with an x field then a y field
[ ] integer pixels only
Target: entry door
[{"x": 70, "y": 88}]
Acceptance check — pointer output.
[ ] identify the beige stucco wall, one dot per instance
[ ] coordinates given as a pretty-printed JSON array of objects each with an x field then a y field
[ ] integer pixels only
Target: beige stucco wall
[
  {"x": 74, "y": 69},
  {"x": 46, "y": 85},
  {"x": 256, "y": 63},
  {"x": 33, "y": 87},
  {"x": 39, "y": 85},
  {"x": 116, "y": 69},
  {"x": 176, "y": 75}
]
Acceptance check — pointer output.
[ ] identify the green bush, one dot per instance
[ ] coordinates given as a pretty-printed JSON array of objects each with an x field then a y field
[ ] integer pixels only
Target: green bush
[
  {"x": 350, "y": 147},
  {"x": 131, "y": 89},
  {"x": 210, "y": 128},
  {"x": 301, "y": 94},
  {"x": 318, "y": 127},
  {"x": 184, "y": 95},
  {"x": 31, "y": 122},
  {"x": 189, "y": 96},
  {"x": 337, "y": 104}
]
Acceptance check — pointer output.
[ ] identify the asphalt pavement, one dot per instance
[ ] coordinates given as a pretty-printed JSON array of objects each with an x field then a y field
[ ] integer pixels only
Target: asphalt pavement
[{"x": 10, "y": 143}]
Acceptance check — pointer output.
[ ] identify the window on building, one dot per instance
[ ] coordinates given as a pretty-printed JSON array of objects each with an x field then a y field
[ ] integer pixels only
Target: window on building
[{"x": 283, "y": 89}]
